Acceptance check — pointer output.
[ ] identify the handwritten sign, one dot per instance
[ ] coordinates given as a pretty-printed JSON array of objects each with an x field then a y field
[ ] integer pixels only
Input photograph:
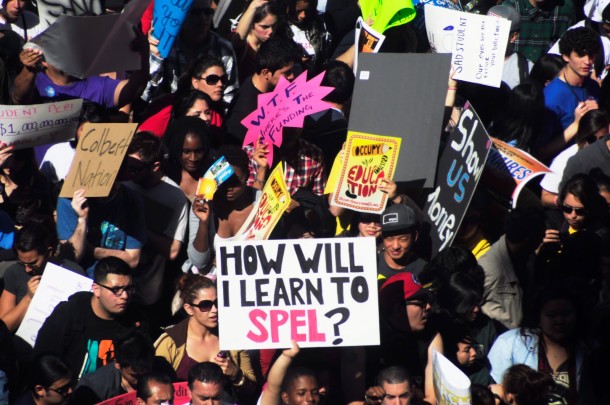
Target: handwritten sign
[
  {"x": 98, "y": 158},
  {"x": 56, "y": 285},
  {"x": 387, "y": 14},
  {"x": 25, "y": 126},
  {"x": 269, "y": 209},
  {"x": 181, "y": 396},
  {"x": 286, "y": 106},
  {"x": 451, "y": 385},
  {"x": 369, "y": 159},
  {"x": 514, "y": 162},
  {"x": 459, "y": 171},
  {"x": 319, "y": 292},
  {"x": 167, "y": 21},
  {"x": 477, "y": 43}
]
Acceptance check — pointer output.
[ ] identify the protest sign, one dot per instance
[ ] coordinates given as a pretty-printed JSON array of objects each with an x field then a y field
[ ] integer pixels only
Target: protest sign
[
  {"x": 98, "y": 158},
  {"x": 50, "y": 10},
  {"x": 333, "y": 176},
  {"x": 286, "y": 106},
  {"x": 56, "y": 285},
  {"x": 167, "y": 21},
  {"x": 518, "y": 164},
  {"x": 459, "y": 171},
  {"x": 477, "y": 42},
  {"x": 368, "y": 159},
  {"x": 181, "y": 396},
  {"x": 25, "y": 126},
  {"x": 319, "y": 292},
  {"x": 214, "y": 177},
  {"x": 387, "y": 13},
  {"x": 451, "y": 385},
  {"x": 268, "y": 210},
  {"x": 401, "y": 95},
  {"x": 367, "y": 40}
]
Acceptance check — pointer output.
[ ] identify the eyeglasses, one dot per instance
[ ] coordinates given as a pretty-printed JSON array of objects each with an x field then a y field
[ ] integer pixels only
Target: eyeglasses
[
  {"x": 205, "y": 305},
  {"x": 580, "y": 211},
  {"x": 212, "y": 80},
  {"x": 63, "y": 391},
  {"x": 119, "y": 290},
  {"x": 369, "y": 220},
  {"x": 32, "y": 265},
  {"x": 418, "y": 303}
]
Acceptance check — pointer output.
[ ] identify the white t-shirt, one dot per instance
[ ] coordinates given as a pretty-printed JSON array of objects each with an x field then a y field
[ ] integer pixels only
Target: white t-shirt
[
  {"x": 510, "y": 72},
  {"x": 550, "y": 181},
  {"x": 56, "y": 162}
]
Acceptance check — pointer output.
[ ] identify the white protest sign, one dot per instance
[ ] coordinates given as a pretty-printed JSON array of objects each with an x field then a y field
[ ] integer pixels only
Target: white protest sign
[
  {"x": 477, "y": 43},
  {"x": 318, "y": 292},
  {"x": 49, "y": 10},
  {"x": 56, "y": 285},
  {"x": 24, "y": 126},
  {"x": 451, "y": 385}
]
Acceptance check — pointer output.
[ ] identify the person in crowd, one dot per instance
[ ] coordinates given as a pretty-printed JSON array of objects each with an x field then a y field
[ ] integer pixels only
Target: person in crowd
[
  {"x": 256, "y": 25},
  {"x": 546, "y": 69},
  {"x": 206, "y": 383},
  {"x": 166, "y": 213},
  {"x": 195, "y": 339},
  {"x": 393, "y": 388},
  {"x": 51, "y": 382},
  {"x": 308, "y": 31},
  {"x": 548, "y": 341},
  {"x": 188, "y": 153},
  {"x": 154, "y": 389},
  {"x": 36, "y": 246},
  {"x": 274, "y": 59},
  {"x": 506, "y": 266},
  {"x": 522, "y": 385},
  {"x": 21, "y": 21},
  {"x": 82, "y": 330}
]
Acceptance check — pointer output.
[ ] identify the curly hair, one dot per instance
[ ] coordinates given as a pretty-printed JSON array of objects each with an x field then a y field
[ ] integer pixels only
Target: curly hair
[{"x": 582, "y": 40}]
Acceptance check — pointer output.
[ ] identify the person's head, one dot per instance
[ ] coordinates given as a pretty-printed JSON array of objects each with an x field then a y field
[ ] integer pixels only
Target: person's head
[
  {"x": 92, "y": 113},
  {"x": 235, "y": 186},
  {"x": 300, "y": 387},
  {"x": 448, "y": 261},
  {"x": 155, "y": 389},
  {"x": 591, "y": 127},
  {"x": 396, "y": 383},
  {"x": 195, "y": 103},
  {"x": 525, "y": 386},
  {"x": 302, "y": 13},
  {"x": 581, "y": 203},
  {"x": 398, "y": 231},
  {"x": 603, "y": 185},
  {"x": 264, "y": 22},
  {"x": 144, "y": 156},
  {"x": 460, "y": 296},
  {"x": 198, "y": 296},
  {"x": 50, "y": 381},
  {"x": 481, "y": 395},
  {"x": 188, "y": 147},
  {"x": 546, "y": 69},
  {"x": 35, "y": 244},
  {"x": 405, "y": 302},
  {"x": 341, "y": 78},
  {"x": 524, "y": 229},
  {"x": 512, "y": 15},
  {"x": 206, "y": 382},
  {"x": 367, "y": 224},
  {"x": 112, "y": 287},
  {"x": 12, "y": 9},
  {"x": 134, "y": 355},
  {"x": 578, "y": 48},
  {"x": 274, "y": 59},
  {"x": 197, "y": 23},
  {"x": 207, "y": 74}
]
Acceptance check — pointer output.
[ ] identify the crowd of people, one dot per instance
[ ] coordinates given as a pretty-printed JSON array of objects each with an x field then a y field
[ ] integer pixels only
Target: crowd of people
[{"x": 520, "y": 302}]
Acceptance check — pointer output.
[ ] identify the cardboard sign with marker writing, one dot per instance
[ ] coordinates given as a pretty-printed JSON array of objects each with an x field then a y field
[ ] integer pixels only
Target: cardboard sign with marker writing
[
  {"x": 318, "y": 292},
  {"x": 98, "y": 158}
]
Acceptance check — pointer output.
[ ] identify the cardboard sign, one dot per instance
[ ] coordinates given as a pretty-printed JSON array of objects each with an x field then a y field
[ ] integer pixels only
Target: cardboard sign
[
  {"x": 269, "y": 208},
  {"x": 403, "y": 95},
  {"x": 56, "y": 285},
  {"x": 98, "y": 158},
  {"x": 286, "y": 106},
  {"x": 451, "y": 385},
  {"x": 459, "y": 171},
  {"x": 25, "y": 126},
  {"x": 167, "y": 21},
  {"x": 477, "y": 42},
  {"x": 50, "y": 10},
  {"x": 181, "y": 396},
  {"x": 319, "y": 292},
  {"x": 369, "y": 159},
  {"x": 387, "y": 14},
  {"x": 518, "y": 164}
]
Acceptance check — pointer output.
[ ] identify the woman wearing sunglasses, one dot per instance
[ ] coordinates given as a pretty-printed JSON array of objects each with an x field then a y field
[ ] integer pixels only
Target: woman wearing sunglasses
[
  {"x": 50, "y": 382},
  {"x": 195, "y": 339}
]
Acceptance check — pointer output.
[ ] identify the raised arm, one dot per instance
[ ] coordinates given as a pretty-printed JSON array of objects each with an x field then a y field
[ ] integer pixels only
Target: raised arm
[
  {"x": 245, "y": 22},
  {"x": 23, "y": 87},
  {"x": 271, "y": 395},
  {"x": 129, "y": 89}
]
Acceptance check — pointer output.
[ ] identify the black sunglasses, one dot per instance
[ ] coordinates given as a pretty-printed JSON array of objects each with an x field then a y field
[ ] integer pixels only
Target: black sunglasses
[
  {"x": 118, "y": 290},
  {"x": 63, "y": 391},
  {"x": 32, "y": 265},
  {"x": 212, "y": 80},
  {"x": 580, "y": 211},
  {"x": 205, "y": 305}
]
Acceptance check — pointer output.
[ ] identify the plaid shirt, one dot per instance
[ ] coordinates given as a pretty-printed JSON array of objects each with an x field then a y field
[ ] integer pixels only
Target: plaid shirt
[
  {"x": 540, "y": 29},
  {"x": 305, "y": 170}
]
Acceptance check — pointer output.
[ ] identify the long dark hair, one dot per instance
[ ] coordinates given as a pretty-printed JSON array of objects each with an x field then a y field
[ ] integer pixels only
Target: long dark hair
[
  {"x": 195, "y": 69},
  {"x": 583, "y": 187},
  {"x": 589, "y": 125},
  {"x": 174, "y": 141}
]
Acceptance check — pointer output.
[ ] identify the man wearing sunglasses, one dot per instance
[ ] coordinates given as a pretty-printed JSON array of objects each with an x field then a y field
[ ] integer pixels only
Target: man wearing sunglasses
[{"x": 82, "y": 329}]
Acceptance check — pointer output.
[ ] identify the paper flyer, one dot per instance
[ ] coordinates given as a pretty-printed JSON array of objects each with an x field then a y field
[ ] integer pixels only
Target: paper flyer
[{"x": 451, "y": 385}]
